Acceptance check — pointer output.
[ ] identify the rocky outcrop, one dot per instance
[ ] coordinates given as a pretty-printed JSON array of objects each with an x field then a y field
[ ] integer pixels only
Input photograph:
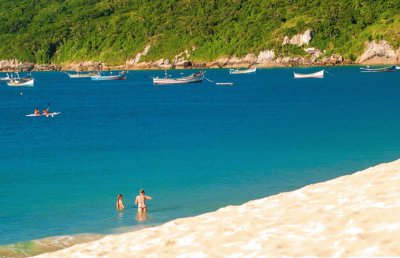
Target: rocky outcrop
[
  {"x": 266, "y": 57},
  {"x": 143, "y": 66},
  {"x": 299, "y": 39},
  {"x": 44, "y": 67},
  {"x": 15, "y": 65},
  {"x": 136, "y": 60},
  {"x": 163, "y": 64},
  {"x": 379, "y": 53},
  {"x": 313, "y": 51},
  {"x": 233, "y": 61},
  {"x": 84, "y": 66},
  {"x": 219, "y": 63},
  {"x": 10, "y": 65},
  {"x": 180, "y": 61},
  {"x": 248, "y": 60}
]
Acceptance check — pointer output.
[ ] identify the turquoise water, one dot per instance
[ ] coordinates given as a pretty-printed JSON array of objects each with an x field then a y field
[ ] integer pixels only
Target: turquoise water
[{"x": 194, "y": 148}]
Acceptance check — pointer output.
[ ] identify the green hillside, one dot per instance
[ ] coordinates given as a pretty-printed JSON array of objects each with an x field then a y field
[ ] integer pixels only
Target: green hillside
[{"x": 112, "y": 31}]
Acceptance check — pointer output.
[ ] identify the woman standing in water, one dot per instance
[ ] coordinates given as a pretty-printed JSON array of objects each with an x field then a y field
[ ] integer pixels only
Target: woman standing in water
[{"x": 119, "y": 203}]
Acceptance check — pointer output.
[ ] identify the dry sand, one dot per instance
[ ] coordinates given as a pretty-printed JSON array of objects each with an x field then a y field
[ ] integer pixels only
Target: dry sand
[{"x": 355, "y": 215}]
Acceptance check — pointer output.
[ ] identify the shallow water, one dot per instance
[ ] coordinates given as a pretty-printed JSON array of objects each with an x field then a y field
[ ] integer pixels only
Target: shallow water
[{"x": 194, "y": 148}]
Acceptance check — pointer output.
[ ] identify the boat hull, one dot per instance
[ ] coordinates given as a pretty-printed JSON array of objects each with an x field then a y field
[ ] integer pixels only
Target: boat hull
[
  {"x": 247, "y": 71},
  {"x": 319, "y": 75},
  {"x": 163, "y": 81},
  {"x": 375, "y": 70},
  {"x": 77, "y": 76},
  {"x": 194, "y": 78},
  {"x": 108, "y": 78},
  {"x": 118, "y": 77},
  {"x": 18, "y": 83}
]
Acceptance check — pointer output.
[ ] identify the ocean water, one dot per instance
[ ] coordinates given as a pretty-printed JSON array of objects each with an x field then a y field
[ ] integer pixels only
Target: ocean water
[{"x": 194, "y": 148}]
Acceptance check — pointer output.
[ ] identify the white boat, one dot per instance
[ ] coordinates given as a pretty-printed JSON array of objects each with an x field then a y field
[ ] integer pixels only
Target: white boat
[
  {"x": 319, "y": 74},
  {"x": 224, "y": 83},
  {"x": 397, "y": 67},
  {"x": 239, "y": 71},
  {"x": 17, "y": 81},
  {"x": 102, "y": 77},
  {"x": 7, "y": 78},
  {"x": 193, "y": 78},
  {"x": 78, "y": 75}
]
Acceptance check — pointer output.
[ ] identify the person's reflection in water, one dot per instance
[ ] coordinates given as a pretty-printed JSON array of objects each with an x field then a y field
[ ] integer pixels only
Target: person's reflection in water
[{"x": 141, "y": 216}]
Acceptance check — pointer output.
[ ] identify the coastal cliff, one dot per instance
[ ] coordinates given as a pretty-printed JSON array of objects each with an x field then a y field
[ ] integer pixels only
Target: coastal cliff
[{"x": 379, "y": 53}]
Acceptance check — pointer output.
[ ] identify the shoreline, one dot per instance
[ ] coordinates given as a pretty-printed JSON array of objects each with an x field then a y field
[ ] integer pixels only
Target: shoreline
[
  {"x": 352, "y": 215},
  {"x": 116, "y": 68},
  {"x": 15, "y": 65},
  {"x": 45, "y": 245}
]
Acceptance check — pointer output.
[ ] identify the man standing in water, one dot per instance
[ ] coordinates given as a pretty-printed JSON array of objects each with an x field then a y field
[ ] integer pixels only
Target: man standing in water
[{"x": 140, "y": 201}]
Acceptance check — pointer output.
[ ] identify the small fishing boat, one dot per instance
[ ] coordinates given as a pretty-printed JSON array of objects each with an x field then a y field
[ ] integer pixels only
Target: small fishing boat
[
  {"x": 193, "y": 78},
  {"x": 382, "y": 69},
  {"x": 224, "y": 83},
  {"x": 17, "y": 81},
  {"x": 6, "y": 78},
  {"x": 241, "y": 71},
  {"x": 78, "y": 75},
  {"x": 101, "y": 76},
  {"x": 319, "y": 74}
]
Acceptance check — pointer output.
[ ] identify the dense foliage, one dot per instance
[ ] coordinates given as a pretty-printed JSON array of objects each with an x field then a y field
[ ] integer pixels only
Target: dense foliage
[{"x": 113, "y": 31}]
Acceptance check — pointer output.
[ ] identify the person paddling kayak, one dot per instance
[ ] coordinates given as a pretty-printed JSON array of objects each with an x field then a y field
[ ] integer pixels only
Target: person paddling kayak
[{"x": 45, "y": 112}]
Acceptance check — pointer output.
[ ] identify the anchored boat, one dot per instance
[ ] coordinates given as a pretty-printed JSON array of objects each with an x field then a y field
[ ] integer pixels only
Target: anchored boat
[
  {"x": 239, "y": 71},
  {"x": 319, "y": 74},
  {"x": 78, "y": 75},
  {"x": 193, "y": 78},
  {"x": 103, "y": 77},
  {"x": 17, "y": 81},
  {"x": 382, "y": 69}
]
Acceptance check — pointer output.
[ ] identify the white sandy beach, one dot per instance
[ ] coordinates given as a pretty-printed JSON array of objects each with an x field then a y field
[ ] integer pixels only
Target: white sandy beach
[{"x": 355, "y": 215}]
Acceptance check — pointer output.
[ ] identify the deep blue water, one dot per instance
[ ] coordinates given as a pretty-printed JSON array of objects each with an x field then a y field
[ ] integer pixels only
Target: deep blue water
[{"x": 194, "y": 148}]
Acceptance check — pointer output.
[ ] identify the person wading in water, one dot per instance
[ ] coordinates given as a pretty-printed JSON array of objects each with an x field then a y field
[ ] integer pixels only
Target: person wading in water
[{"x": 140, "y": 201}]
